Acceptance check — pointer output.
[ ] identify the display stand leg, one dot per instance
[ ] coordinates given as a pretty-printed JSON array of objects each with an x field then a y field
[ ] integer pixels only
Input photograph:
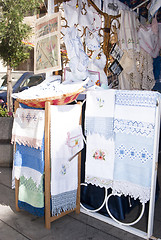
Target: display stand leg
[
  {"x": 47, "y": 165},
  {"x": 16, "y": 194},
  {"x": 79, "y": 182},
  {"x": 154, "y": 172}
]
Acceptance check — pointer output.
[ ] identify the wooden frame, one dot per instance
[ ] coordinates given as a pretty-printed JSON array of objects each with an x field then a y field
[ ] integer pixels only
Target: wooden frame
[{"x": 48, "y": 217}]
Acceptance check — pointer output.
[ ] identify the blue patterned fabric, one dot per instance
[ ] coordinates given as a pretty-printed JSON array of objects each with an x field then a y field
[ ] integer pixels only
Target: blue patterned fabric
[
  {"x": 100, "y": 125},
  {"x": 134, "y": 142},
  {"x": 136, "y": 98},
  {"x": 33, "y": 210},
  {"x": 31, "y": 196},
  {"x": 29, "y": 157},
  {"x": 63, "y": 202},
  {"x": 133, "y": 159}
]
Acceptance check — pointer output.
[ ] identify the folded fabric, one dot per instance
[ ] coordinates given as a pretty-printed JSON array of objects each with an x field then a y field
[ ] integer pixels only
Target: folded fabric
[
  {"x": 28, "y": 127},
  {"x": 29, "y": 162},
  {"x": 49, "y": 88},
  {"x": 64, "y": 171}
]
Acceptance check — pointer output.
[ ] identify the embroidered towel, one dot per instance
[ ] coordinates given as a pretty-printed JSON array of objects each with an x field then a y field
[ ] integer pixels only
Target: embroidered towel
[
  {"x": 128, "y": 36},
  {"x": 134, "y": 126},
  {"x": 64, "y": 173},
  {"x": 29, "y": 162},
  {"x": 29, "y": 169},
  {"x": 100, "y": 142},
  {"x": 28, "y": 127}
]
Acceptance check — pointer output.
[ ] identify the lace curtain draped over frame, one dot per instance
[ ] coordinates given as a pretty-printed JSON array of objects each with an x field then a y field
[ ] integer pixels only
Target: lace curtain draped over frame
[{"x": 129, "y": 144}]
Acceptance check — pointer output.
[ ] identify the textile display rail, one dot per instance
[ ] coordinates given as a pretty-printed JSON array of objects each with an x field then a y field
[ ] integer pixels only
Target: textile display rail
[
  {"x": 47, "y": 175},
  {"x": 127, "y": 226}
]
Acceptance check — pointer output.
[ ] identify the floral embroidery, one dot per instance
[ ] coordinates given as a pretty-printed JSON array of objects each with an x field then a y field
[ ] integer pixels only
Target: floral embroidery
[
  {"x": 100, "y": 102},
  {"x": 99, "y": 154},
  {"x": 63, "y": 169},
  {"x": 73, "y": 141}
]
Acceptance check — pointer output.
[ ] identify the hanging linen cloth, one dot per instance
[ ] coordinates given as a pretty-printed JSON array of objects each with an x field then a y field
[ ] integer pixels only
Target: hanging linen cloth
[
  {"x": 100, "y": 138},
  {"x": 149, "y": 38},
  {"x": 134, "y": 127},
  {"x": 29, "y": 169},
  {"x": 128, "y": 36},
  {"x": 120, "y": 129},
  {"x": 66, "y": 141},
  {"x": 78, "y": 58},
  {"x": 28, "y": 127}
]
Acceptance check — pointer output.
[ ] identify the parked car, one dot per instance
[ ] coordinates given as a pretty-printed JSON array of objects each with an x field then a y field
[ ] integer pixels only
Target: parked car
[{"x": 27, "y": 80}]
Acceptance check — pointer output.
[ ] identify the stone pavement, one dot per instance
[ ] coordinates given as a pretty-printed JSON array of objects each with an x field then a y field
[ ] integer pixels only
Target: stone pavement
[{"x": 24, "y": 226}]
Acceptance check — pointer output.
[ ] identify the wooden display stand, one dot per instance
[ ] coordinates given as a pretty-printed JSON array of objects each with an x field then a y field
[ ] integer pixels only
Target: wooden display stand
[{"x": 47, "y": 195}]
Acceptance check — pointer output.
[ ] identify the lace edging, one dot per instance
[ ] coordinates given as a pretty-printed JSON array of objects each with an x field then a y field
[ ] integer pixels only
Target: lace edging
[
  {"x": 133, "y": 190},
  {"x": 107, "y": 183},
  {"x": 30, "y": 142}
]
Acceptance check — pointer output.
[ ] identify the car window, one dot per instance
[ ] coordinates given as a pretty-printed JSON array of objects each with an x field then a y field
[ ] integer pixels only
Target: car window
[
  {"x": 31, "y": 81},
  {"x": 4, "y": 81}
]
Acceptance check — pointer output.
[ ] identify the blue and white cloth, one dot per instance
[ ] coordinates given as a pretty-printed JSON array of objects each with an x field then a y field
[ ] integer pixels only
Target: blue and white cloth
[{"x": 125, "y": 164}]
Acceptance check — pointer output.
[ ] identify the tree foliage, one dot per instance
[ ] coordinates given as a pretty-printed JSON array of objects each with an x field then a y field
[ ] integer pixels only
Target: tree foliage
[{"x": 12, "y": 31}]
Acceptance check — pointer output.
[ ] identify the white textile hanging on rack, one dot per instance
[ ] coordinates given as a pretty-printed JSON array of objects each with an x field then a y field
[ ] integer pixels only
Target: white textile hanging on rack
[
  {"x": 100, "y": 138},
  {"x": 134, "y": 127},
  {"x": 28, "y": 127},
  {"x": 64, "y": 171},
  {"x": 128, "y": 36},
  {"x": 120, "y": 153}
]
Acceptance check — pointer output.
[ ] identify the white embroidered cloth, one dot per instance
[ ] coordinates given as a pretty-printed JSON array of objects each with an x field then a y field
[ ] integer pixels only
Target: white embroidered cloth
[
  {"x": 28, "y": 127},
  {"x": 49, "y": 88},
  {"x": 128, "y": 36},
  {"x": 64, "y": 172},
  {"x": 123, "y": 158},
  {"x": 100, "y": 139}
]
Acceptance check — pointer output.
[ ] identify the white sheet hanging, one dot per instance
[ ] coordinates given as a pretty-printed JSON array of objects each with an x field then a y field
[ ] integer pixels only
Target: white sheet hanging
[{"x": 64, "y": 173}]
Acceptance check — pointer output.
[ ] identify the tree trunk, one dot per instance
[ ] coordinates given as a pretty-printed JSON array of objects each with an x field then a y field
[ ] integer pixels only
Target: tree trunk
[{"x": 9, "y": 90}]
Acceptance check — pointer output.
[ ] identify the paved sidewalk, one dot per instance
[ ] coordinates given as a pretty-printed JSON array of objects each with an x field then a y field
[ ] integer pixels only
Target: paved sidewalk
[{"x": 22, "y": 225}]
